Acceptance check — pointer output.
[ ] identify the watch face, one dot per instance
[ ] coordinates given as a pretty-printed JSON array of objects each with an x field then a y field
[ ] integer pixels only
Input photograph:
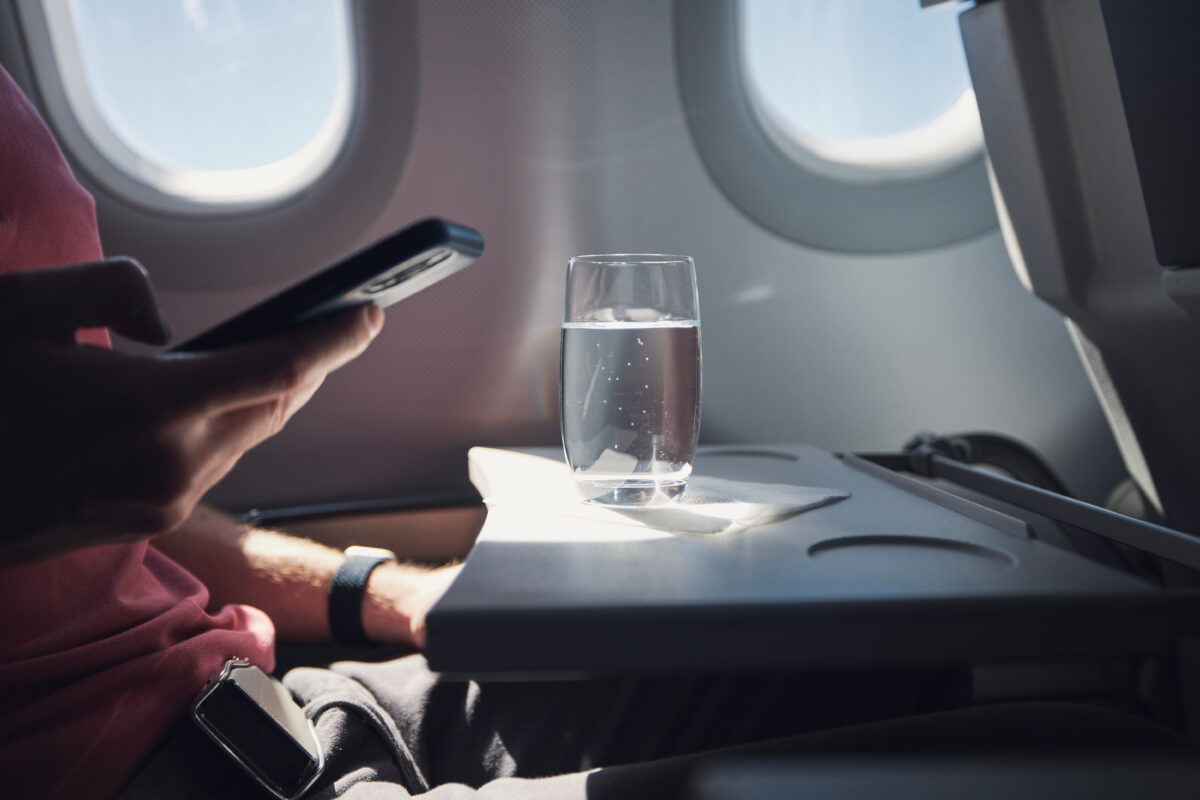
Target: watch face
[
  {"x": 255, "y": 720},
  {"x": 358, "y": 551}
]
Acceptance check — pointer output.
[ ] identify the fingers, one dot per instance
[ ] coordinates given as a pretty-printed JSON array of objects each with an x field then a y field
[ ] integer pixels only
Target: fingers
[
  {"x": 196, "y": 415},
  {"x": 255, "y": 372},
  {"x": 244, "y": 427},
  {"x": 51, "y": 304},
  {"x": 233, "y": 433}
]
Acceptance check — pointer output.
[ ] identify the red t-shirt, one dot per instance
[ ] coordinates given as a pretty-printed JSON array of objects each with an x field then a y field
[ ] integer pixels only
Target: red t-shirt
[{"x": 101, "y": 650}]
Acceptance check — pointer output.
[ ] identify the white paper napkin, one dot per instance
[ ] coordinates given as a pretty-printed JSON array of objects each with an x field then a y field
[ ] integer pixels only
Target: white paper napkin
[
  {"x": 708, "y": 506},
  {"x": 711, "y": 505}
]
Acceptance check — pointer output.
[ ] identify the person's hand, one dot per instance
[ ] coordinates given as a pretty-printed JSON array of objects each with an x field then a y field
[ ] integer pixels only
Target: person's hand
[
  {"x": 399, "y": 598},
  {"x": 103, "y": 447},
  {"x": 422, "y": 601}
]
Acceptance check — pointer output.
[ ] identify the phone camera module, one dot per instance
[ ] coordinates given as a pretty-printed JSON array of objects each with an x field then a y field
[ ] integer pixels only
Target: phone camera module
[{"x": 406, "y": 273}]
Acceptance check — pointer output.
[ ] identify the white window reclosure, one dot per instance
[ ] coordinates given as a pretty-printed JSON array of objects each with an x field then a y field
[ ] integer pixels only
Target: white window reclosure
[
  {"x": 859, "y": 90},
  {"x": 205, "y": 104}
]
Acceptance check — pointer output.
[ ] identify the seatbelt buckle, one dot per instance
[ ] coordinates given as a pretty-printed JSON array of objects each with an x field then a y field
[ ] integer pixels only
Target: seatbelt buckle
[{"x": 254, "y": 719}]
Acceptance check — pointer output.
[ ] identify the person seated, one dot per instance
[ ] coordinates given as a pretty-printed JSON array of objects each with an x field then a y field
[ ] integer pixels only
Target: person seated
[{"x": 121, "y": 594}]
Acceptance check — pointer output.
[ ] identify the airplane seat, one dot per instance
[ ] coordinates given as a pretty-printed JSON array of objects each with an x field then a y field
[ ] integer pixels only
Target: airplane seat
[
  {"x": 1093, "y": 169},
  {"x": 1009, "y": 727},
  {"x": 1088, "y": 122},
  {"x": 1034, "y": 749}
]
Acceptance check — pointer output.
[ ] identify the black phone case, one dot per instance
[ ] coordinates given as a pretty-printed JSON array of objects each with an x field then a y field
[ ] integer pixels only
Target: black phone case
[{"x": 384, "y": 273}]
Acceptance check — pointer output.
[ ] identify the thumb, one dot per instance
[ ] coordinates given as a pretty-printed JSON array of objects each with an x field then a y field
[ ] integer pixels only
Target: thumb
[
  {"x": 51, "y": 304},
  {"x": 259, "y": 370}
]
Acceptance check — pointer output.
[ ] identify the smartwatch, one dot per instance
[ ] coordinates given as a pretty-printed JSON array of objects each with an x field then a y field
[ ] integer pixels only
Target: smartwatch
[{"x": 346, "y": 592}]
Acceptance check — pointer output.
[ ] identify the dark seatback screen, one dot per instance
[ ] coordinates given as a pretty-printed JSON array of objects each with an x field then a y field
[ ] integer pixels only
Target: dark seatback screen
[{"x": 1156, "y": 50}]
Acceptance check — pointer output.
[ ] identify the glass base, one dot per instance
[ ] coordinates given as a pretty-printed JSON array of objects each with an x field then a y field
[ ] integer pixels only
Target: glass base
[{"x": 631, "y": 493}]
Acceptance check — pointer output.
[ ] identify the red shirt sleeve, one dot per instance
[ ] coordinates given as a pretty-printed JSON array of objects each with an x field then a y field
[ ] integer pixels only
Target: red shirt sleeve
[
  {"x": 103, "y": 649},
  {"x": 46, "y": 218}
]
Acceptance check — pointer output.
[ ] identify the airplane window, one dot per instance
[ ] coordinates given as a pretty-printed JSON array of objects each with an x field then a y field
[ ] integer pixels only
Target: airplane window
[
  {"x": 212, "y": 102},
  {"x": 860, "y": 88},
  {"x": 845, "y": 125}
]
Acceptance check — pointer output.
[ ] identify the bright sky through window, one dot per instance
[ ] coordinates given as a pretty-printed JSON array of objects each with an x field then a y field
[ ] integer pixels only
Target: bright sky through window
[
  {"x": 213, "y": 100},
  {"x": 877, "y": 83}
]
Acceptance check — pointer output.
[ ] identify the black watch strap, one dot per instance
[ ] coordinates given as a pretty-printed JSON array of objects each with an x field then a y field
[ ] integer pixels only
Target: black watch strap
[{"x": 346, "y": 592}]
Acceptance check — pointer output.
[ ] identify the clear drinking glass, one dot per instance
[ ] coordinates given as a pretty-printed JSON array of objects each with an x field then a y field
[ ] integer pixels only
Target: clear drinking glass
[{"x": 630, "y": 376}]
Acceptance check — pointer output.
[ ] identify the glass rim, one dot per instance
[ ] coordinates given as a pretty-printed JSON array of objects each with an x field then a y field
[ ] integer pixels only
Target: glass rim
[{"x": 631, "y": 259}]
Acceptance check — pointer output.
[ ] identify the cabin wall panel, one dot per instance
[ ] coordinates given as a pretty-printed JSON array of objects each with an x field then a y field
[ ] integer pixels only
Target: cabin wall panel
[{"x": 557, "y": 129}]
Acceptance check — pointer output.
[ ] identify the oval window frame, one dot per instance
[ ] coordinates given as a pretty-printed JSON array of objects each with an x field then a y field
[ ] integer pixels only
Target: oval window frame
[
  {"x": 814, "y": 205},
  {"x": 84, "y": 129},
  {"x": 338, "y": 213}
]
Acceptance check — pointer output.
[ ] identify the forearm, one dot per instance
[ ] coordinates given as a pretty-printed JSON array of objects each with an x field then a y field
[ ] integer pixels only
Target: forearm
[{"x": 288, "y": 577}]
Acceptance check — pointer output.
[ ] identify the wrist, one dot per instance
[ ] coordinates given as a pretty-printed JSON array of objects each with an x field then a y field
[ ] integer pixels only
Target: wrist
[
  {"x": 348, "y": 590},
  {"x": 398, "y": 598},
  {"x": 383, "y": 616}
]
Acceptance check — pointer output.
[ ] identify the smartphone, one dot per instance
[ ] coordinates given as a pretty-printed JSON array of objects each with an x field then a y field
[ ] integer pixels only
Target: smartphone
[{"x": 384, "y": 273}]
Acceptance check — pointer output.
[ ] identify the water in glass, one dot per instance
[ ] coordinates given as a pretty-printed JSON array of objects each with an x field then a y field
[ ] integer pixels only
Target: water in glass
[{"x": 631, "y": 408}]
